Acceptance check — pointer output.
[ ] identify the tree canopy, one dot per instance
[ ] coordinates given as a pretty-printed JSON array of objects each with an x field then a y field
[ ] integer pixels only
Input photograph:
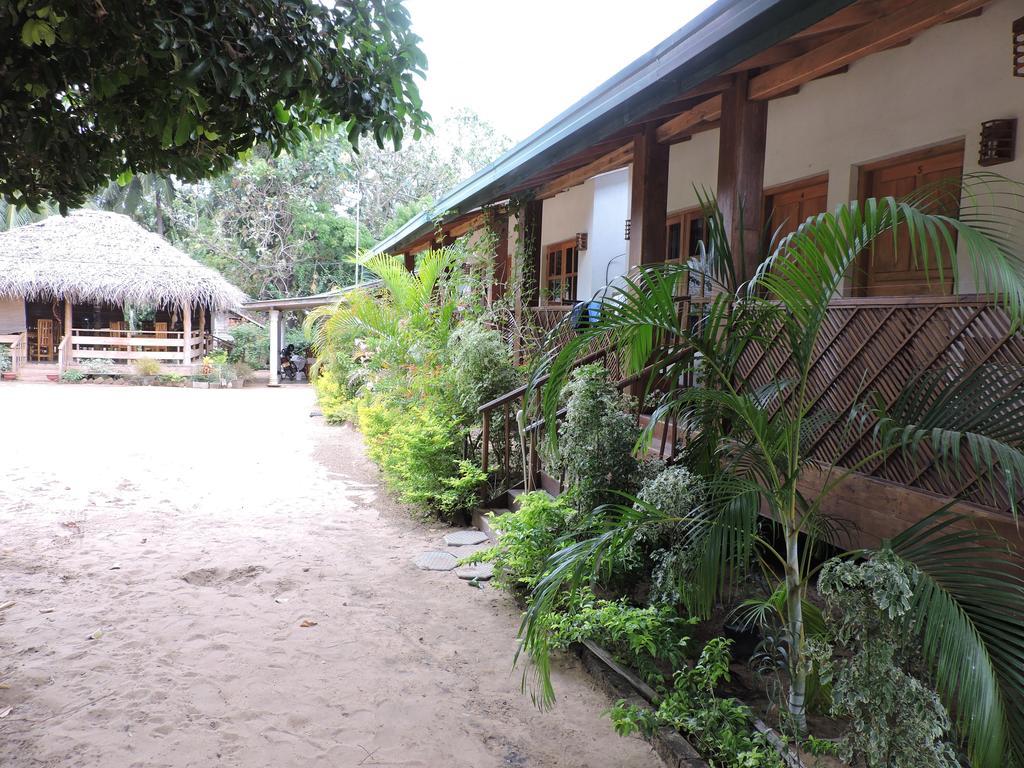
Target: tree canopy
[{"x": 90, "y": 91}]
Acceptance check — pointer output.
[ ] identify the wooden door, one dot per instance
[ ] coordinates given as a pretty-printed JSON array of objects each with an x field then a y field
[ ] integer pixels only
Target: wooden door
[
  {"x": 790, "y": 205},
  {"x": 890, "y": 268}
]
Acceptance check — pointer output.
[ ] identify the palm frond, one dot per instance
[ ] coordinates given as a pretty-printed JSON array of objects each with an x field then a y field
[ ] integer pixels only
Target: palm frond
[
  {"x": 957, "y": 412},
  {"x": 968, "y": 608}
]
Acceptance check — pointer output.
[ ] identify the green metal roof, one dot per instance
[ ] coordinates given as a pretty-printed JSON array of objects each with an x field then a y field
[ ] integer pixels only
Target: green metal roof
[{"x": 724, "y": 35}]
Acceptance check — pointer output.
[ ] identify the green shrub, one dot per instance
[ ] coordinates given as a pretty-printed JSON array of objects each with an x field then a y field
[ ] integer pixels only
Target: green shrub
[
  {"x": 98, "y": 367},
  {"x": 335, "y": 403},
  {"x": 5, "y": 358},
  {"x": 146, "y": 367},
  {"x": 480, "y": 368},
  {"x": 597, "y": 438},
  {"x": 526, "y": 539},
  {"x": 461, "y": 494},
  {"x": 639, "y": 637},
  {"x": 896, "y": 721},
  {"x": 72, "y": 375},
  {"x": 415, "y": 446},
  {"x": 721, "y": 728},
  {"x": 678, "y": 493}
]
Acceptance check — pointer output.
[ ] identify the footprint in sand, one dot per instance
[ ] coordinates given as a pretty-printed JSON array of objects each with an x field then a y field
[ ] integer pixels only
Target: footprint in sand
[{"x": 212, "y": 577}]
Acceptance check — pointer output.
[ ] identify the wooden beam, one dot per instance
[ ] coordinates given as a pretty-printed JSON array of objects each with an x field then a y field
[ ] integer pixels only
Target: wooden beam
[
  {"x": 855, "y": 15},
  {"x": 883, "y": 33},
  {"x": 741, "y": 152},
  {"x": 649, "y": 199},
  {"x": 617, "y": 158},
  {"x": 684, "y": 123}
]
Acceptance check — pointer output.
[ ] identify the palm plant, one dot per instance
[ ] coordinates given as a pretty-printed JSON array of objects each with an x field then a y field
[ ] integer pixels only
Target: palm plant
[
  {"x": 12, "y": 215},
  {"x": 752, "y": 443},
  {"x": 126, "y": 195},
  {"x": 391, "y": 314}
]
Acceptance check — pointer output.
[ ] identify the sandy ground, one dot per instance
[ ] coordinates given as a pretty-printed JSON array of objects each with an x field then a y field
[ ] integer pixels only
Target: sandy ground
[{"x": 163, "y": 548}]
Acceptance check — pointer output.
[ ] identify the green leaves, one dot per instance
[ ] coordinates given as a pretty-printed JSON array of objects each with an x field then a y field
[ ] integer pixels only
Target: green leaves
[
  {"x": 166, "y": 91},
  {"x": 37, "y": 32},
  {"x": 967, "y": 608}
]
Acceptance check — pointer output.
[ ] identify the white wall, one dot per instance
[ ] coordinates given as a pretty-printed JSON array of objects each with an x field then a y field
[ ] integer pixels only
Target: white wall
[
  {"x": 606, "y": 256},
  {"x": 692, "y": 166},
  {"x": 566, "y": 214},
  {"x": 12, "y": 315}
]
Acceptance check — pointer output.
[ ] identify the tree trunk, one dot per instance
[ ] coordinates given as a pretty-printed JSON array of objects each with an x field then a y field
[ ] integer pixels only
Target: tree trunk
[{"x": 795, "y": 616}]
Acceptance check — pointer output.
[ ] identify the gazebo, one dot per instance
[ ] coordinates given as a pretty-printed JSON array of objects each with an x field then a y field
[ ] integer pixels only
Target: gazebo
[{"x": 96, "y": 286}]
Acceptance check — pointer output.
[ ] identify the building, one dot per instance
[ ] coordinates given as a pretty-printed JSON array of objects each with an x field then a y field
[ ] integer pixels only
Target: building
[
  {"x": 778, "y": 109},
  {"x": 97, "y": 286}
]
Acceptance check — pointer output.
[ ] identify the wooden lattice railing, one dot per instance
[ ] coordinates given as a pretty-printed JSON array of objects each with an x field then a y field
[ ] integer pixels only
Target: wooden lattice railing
[
  {"x": 867, "y": 345},
  {"x": 879, "y": 345}
]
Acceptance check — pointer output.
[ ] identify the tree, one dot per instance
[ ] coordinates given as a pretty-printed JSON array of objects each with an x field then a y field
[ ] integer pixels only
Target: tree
[
  {"x": 752, "y": 444},
  {"x": 392, "y": 185},
  {"x": 92, "y": 90},
  {"x": 272, "y": 225}
]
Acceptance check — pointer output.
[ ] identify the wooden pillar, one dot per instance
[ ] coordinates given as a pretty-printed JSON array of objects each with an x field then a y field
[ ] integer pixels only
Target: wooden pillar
[
  {"x": 202, "y": 329},
  {"x": 502, "y": 266},
  {"x": 741, "y": 175},
  {"x": 275, "y": 347},
  {"x": 186, "y": 327},
  {"x": 410, "y": 261},
  {"x": 67, "y": 317},
  {"x": 531, "y": 219},
  {"x": 648, "y": 200}
]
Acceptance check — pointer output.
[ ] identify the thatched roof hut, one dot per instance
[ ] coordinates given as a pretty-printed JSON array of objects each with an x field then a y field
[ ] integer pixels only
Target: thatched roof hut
[{"x": 99, "y": 257}]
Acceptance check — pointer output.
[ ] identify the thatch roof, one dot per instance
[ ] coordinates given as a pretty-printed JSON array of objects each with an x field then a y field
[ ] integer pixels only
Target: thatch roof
[{"x": 94, "y": 256}]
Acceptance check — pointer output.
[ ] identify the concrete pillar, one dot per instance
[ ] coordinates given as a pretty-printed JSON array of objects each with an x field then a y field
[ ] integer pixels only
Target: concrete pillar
[{"x": 275, "y": 347}]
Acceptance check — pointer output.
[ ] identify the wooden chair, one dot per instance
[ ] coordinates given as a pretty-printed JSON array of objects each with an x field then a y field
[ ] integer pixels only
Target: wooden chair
[
  {"x": 44, "y": 340},
  {"x": 160, "y": 332}
]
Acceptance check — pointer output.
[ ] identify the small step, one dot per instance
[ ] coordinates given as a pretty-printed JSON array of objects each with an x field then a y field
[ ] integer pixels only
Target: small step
[{"x": 482, "y": 521}]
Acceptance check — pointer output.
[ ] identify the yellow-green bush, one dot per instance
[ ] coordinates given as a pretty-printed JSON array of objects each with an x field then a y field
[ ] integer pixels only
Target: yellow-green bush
[{"x": 335, "y": 403}]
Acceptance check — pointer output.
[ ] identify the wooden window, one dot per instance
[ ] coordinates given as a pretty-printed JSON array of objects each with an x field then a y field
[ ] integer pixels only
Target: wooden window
[
  {"x": 889, "y": 268},
  {"x": 789, "y": 205},
  {"x": 685, "y": 231},
  {"x": 561, "y": 272}
]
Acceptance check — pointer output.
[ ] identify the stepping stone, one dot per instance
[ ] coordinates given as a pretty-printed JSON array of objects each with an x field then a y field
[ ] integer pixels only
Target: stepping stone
[
  {"x": 436, "y": 561},
  {"x": 465, "y": 538},
  {"x": 480, "y": 572}
]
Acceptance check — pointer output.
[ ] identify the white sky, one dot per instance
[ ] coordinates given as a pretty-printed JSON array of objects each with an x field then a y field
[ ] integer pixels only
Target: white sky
[{"x": 519, "y": 64}]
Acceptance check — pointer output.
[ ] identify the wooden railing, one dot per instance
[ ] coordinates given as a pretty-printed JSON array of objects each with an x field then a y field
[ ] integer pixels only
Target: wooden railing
[
  {"x": 878, "y": 345},
  {"x": 19, "y": 353},
  {"x": 867, "y": 345},
  {"x": 120, "y": 346}
]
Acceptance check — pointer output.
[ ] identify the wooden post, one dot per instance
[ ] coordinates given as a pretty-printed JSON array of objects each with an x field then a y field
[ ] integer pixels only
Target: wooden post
[
  {"x": 741, "y": 175},
  {"x": 202, "y": 330},
  {"x": 648, "y": 200},
  {"x": 502, "y": 267},
  {"x": 410, "y": 261},
  {"x": 530, "y": 224},
  {"x": 275, "y": 347},
  {"x": 186, "y": 325},
  {"x": 67, "y": 317}
]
